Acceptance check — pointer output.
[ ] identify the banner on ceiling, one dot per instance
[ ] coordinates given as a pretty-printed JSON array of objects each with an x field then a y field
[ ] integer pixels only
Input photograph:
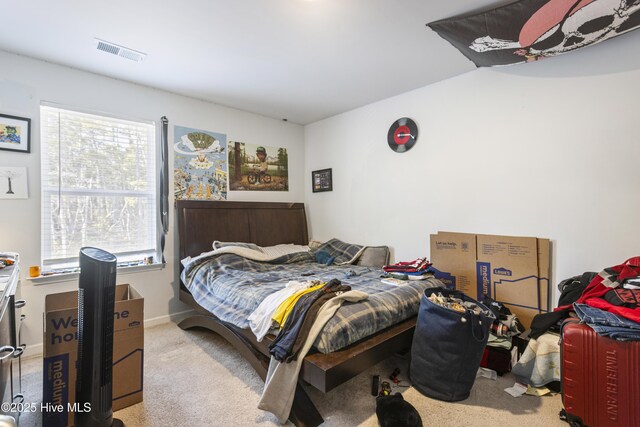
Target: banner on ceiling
[{"x": 530, "y": 30}]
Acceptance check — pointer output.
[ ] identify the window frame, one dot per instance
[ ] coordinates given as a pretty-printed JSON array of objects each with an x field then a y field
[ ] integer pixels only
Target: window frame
[{"x": 71, "y": 264}]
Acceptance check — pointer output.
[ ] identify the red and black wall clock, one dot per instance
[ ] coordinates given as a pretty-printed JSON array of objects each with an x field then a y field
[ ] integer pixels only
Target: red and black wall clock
[{"x": 402, "y": 135}]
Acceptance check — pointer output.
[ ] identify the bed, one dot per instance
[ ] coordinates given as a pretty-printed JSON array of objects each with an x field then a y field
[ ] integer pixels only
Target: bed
[{"x": 267, "y": 224}]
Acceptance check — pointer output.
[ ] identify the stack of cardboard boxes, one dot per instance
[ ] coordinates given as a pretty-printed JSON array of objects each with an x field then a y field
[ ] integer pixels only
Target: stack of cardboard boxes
[
  {"x": 61, "y": 348},
  {"x": 512, "y": 270}
]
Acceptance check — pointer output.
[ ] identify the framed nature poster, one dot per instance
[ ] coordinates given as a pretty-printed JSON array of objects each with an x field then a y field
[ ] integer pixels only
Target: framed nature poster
[
  {"x": 200, "y": 164},
  {"x": 258, "y": 167}
]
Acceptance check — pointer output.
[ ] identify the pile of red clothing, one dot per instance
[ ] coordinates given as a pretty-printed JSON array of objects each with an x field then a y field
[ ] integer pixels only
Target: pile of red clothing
[
  {"x": 416, "y": 267},
  {"x": 615, "y": 289}
]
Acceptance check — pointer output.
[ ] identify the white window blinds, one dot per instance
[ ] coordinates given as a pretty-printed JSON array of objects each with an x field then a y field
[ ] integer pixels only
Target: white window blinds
[{"x": 98, "y": 186}]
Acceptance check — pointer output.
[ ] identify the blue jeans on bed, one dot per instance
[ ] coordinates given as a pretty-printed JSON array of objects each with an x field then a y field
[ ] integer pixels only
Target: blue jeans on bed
[{"x": 608, "y": 324}]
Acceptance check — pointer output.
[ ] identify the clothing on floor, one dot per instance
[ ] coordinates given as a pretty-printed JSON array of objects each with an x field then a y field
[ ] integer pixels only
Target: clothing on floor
[
  {"x": 540, "y": 362},
  {"x": 506, "y": 324},
  {"x": 260, "y": 321},
  {"x": 497, "y": 359},
  {"x": 497, "y": 354},
  {"x": 497, "y": 308},
  {"x": 282, "y": 378},
  {"x": 499, "y": 342}
]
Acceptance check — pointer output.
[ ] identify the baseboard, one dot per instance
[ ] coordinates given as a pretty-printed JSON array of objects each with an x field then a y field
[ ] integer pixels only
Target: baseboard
[
  {"x": 36, "y": 350},
  {"x": 32, "y": 350},
  {"x": 174, "y": 317}
]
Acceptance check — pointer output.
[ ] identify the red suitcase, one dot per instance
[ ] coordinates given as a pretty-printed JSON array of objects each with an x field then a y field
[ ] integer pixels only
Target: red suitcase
[{"x": 600, "y": 378}]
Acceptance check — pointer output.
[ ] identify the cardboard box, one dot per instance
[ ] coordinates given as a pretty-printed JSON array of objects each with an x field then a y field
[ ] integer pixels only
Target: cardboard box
[
  {"x": 61, "y": 347},
  {"x": 516, "y": 269},
  {"x": 454, "y": 256},
  {"x": 512, "y": 270}
]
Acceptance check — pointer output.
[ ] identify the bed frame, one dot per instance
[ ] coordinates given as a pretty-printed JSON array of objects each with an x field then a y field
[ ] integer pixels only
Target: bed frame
[{"x": 266, "y": 224}]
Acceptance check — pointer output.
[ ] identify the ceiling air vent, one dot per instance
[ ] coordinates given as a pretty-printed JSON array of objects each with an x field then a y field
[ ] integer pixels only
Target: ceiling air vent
[{"x": 118, "y": 50}]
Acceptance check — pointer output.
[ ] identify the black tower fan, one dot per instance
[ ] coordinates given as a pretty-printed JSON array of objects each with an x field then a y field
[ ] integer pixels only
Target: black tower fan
[{"x": 96, "y": 301}]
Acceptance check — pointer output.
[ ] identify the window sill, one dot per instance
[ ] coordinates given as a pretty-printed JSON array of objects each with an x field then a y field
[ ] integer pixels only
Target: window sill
[{"x": 68, "y": 277}]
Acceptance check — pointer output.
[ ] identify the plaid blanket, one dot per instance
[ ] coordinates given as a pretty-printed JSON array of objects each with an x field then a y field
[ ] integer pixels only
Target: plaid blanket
[
  {"x": 231, "y": 286},
  {"x": 344, "y": 253}
]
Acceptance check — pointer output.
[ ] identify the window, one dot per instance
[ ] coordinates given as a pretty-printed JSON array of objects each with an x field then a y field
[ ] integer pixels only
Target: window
[{"x": 98, "y": 186}]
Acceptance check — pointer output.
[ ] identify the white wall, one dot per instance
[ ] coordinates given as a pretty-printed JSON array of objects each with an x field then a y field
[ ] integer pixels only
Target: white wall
[
  {"x": 547, "y": 149},
  {"x": 25, "y": 82}
]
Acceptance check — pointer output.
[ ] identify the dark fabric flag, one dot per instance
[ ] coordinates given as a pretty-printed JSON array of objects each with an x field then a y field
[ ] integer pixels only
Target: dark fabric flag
[{"x": 528, "y": 30}]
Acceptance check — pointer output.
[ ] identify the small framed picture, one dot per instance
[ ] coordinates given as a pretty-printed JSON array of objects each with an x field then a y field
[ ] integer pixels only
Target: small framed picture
[
  {"x": 321, "y": 180},
  {"x": 13, "y": 183},
  {"x": 15, "y": 133}
]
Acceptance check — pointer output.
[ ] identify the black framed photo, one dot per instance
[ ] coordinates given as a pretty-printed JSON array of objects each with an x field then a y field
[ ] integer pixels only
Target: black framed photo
[
  {"x": 15, "y": 133},
  {"x": 321, "y": 180}
]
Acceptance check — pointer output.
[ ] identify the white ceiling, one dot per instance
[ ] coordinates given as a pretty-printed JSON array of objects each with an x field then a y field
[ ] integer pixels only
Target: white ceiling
[{"x": 303, "y": 60}]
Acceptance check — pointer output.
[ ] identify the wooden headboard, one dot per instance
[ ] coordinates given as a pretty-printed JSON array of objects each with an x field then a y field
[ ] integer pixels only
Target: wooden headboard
[{"x": 262, "y": 223}]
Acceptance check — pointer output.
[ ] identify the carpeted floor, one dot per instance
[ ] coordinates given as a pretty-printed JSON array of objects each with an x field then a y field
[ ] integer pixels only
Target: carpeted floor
[{"x": 194, "y": 378}]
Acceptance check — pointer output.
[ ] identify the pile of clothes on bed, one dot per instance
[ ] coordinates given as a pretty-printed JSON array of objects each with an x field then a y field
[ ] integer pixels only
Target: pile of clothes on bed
[
  {"x": 293, "y": 310},
  {"x": 412, "y": 270}
]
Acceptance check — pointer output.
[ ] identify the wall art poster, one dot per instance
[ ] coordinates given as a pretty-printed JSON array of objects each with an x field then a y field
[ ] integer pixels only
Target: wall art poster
[
  {"x": 15, "y": 133},
  {"x": 529, "y": 30},
  {"x": 258, "y": 167},
  {"x": 13, "y": 183},
  {"x": 322, "y": 180},
  {"x": 200, "y": 165}
]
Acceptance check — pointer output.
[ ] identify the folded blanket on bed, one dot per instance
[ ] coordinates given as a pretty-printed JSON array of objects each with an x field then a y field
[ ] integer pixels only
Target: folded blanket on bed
[
  {"x": 190, "y": 263},
  {"x": 343, "y": 253}
]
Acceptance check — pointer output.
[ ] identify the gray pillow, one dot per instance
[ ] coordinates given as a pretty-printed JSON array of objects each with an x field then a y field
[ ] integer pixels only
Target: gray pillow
[{"x": 374, "y": 256}]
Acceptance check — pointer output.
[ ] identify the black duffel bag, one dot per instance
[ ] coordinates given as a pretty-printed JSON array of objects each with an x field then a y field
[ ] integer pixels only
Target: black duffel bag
[{"x": 447, "y": 347}]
